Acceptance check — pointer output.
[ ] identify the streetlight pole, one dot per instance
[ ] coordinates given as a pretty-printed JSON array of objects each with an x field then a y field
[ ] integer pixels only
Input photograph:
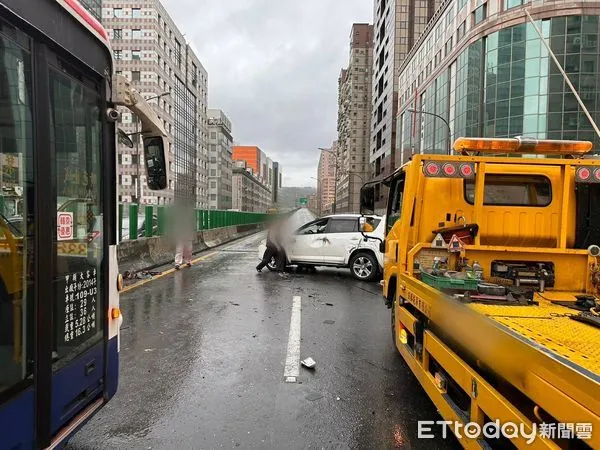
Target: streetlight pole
[
  {"x": 335, "y": 168},
  {"x": 443, "y": 120},
  {"x": 318, "y": 195},
  {"x": 356, "y": 174}
]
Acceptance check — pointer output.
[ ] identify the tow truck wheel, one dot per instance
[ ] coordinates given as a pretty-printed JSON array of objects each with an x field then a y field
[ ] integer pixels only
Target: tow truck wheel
[{"x": 393, "y": 315}]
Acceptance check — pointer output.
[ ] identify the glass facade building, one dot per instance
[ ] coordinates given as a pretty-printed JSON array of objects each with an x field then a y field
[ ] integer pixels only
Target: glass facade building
[
  {"x": 152, "y": 53},
  {"x": 503, "y": 84},
  {"x": 185, "y": 144}
]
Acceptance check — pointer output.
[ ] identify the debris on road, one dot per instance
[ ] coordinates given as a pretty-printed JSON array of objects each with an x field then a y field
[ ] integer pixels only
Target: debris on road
[
  {"x": 329, "y": 304},
  {"x": 309, "y": 363},
  {"x": 313, "y": 396},
  {"x": 141, "y": 275},
  {"x": 329, "y": 322}
]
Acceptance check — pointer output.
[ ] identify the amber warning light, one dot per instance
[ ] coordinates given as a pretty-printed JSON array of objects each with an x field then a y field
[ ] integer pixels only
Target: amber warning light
[
  {"x": 115, "y": 313},
  {"x": 522, "y": 145}
]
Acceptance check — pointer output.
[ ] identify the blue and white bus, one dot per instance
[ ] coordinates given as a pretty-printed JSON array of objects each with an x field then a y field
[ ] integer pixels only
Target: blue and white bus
[{"x": 59, "y": 301}]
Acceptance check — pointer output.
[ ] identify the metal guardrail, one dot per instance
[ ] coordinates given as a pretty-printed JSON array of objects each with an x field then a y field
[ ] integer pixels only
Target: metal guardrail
[{"x": 154, "y": 220}]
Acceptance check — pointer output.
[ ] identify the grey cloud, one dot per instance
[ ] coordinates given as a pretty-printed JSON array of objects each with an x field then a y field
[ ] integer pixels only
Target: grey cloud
[{"x": 273, "y": 67}]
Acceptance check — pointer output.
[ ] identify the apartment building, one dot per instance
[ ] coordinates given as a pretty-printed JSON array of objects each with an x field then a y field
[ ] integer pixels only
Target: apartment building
[
  {"x": 253, "y": 156},
  {"x": 249, "y": 192},
  {"x": 397, "y": 26},
  {"x": 220, "y": 143},
  {"x": 263, "y": 167},
  {"x": 94, "y": 7},
  {"x": 354, "y": 119},
  {"x": 326, "y": 176},
  {"x": 152, "y": 53},
  {"x": 276, "y": 182}
]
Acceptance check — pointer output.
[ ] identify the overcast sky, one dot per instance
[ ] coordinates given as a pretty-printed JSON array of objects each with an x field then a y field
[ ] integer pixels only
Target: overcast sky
[{"x": 273, "y": 67}]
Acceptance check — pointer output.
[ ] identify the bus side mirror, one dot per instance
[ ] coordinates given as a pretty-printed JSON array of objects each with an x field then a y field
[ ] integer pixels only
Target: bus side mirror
[
  {"x": 367, "y": 199},
  {"x": 156, "y": 162}
]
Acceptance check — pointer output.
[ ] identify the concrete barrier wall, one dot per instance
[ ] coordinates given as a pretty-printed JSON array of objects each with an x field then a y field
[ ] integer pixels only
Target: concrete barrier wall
[{"x": 148, "y": 253}]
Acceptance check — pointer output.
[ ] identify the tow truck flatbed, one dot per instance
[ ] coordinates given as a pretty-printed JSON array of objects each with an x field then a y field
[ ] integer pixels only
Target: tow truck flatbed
[
  {"x": 538, "y": 350},
  {"x": 552, "y": 329}
]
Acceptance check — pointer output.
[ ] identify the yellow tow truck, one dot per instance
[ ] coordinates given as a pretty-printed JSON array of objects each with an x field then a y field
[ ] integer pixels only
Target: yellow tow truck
[{"x": 492, "y": 274}]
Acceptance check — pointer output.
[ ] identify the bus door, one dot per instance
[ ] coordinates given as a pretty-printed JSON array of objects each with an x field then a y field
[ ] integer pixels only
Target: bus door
[
  {"x": 52, "y": 291},
  {"x": 78, "y": 351}
]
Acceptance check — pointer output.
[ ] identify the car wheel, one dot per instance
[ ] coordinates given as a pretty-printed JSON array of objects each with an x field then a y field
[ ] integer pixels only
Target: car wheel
[
  {"x": 272, "y": 265},
  {"x": 363, "y": 267}
]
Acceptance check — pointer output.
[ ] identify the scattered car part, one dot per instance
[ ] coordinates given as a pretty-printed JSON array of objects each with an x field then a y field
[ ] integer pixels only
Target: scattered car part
[{"x": 309, "y": 363}]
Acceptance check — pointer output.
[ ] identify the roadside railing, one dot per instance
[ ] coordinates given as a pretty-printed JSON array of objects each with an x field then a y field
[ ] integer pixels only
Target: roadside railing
[{"x": 151, "y": 220}]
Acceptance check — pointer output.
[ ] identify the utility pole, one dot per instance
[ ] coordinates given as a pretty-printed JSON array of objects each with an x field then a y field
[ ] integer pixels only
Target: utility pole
[
  {"x": 138, "y": 188},
  {"x": 335, "y": 180}
]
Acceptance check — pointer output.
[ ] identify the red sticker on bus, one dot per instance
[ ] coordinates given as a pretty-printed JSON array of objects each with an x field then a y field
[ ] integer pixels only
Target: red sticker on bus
[{"x": 64, "y": 226}]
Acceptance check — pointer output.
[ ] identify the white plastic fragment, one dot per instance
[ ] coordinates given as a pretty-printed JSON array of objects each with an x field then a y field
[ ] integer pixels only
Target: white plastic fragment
[{"x": 309, "y": 363}]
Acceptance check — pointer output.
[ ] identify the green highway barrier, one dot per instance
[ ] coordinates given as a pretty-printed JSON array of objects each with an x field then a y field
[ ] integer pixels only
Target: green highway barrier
[
  {"x": 133, "y": 221},
  {"x": 205, "y": 219}
]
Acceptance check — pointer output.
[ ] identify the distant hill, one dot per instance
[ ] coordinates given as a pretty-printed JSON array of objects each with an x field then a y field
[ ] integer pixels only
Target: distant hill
[{"x": 289, "y": 194}]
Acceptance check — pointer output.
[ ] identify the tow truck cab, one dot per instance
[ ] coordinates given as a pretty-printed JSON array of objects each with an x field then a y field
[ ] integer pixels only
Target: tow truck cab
[{"x": 493, "y": 277}]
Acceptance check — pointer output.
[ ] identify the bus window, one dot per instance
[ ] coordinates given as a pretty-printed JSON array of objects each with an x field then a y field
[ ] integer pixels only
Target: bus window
[
  {"x": 16, "y": 130},
  {"x": 76, "y": 136}
]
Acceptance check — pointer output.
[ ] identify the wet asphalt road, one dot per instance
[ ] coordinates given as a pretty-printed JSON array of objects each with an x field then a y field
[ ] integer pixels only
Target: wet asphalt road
[{"x": 203, "y": 354}]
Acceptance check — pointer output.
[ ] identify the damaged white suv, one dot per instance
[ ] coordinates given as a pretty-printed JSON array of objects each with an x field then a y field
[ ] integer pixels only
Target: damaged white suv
[{"x": 336, "y": 241}]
